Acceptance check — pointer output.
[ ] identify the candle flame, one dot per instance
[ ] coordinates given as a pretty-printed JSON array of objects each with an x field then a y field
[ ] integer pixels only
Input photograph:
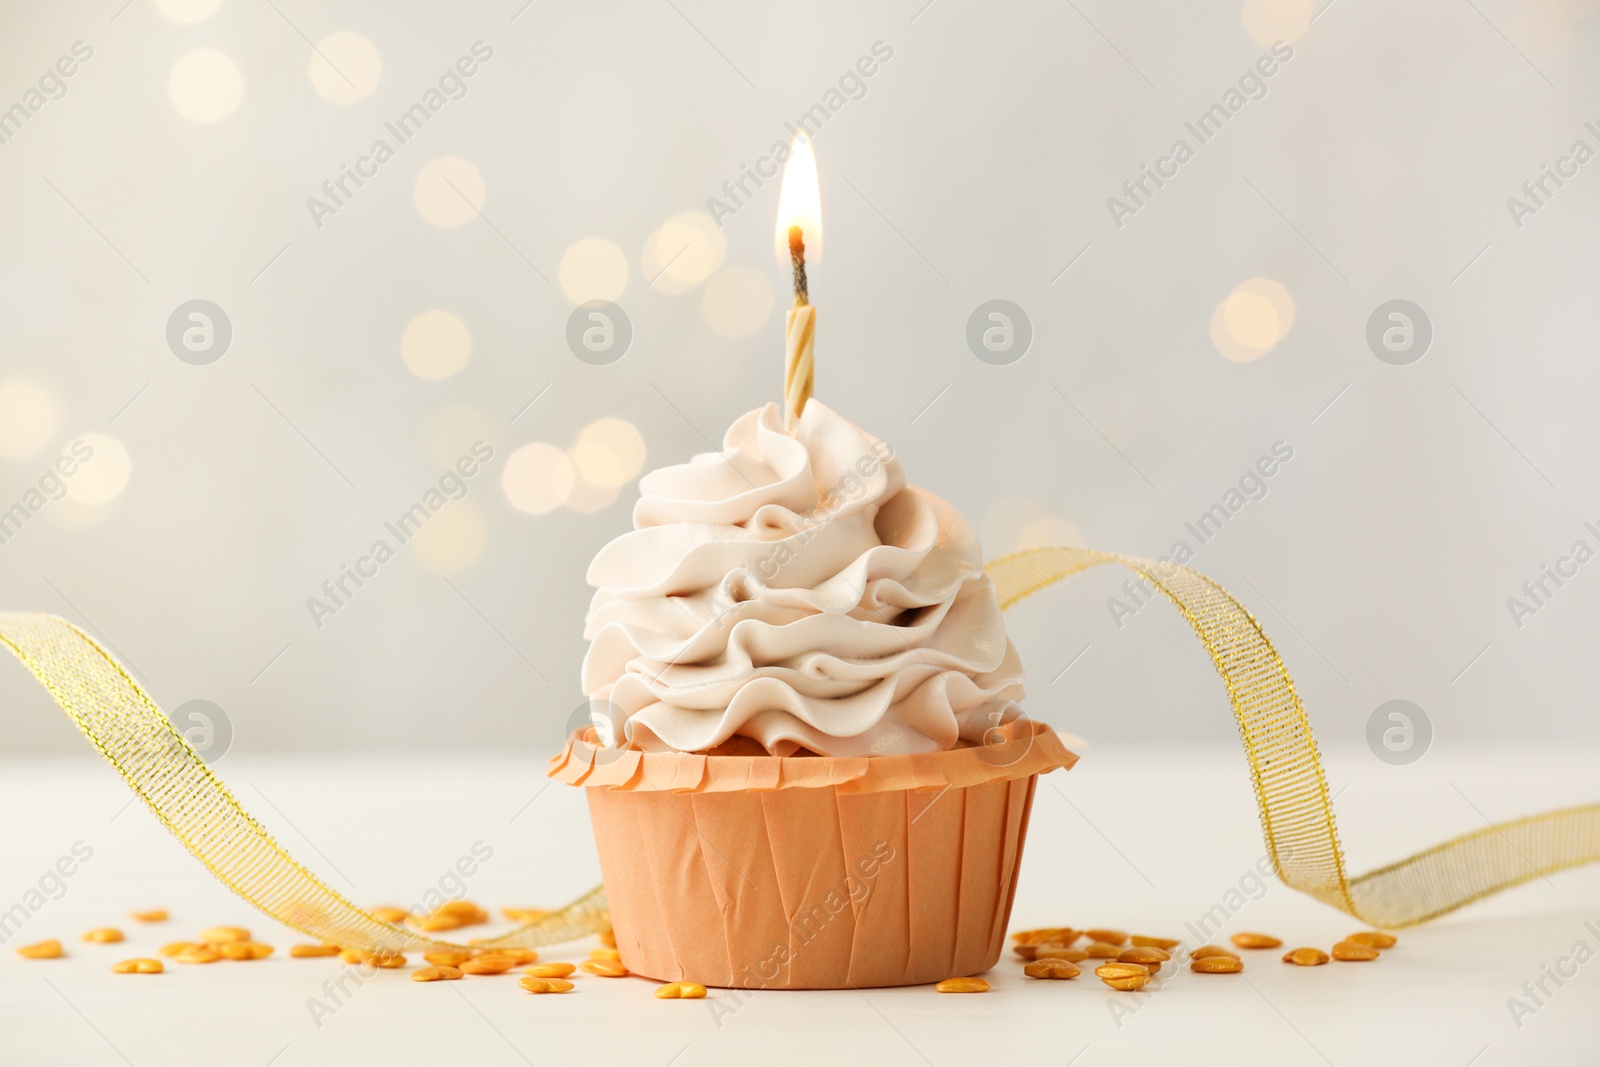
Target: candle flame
[{"x": 800, "y": 202}]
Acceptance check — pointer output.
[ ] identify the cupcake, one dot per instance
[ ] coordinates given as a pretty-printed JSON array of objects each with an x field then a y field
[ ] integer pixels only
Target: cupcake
[{"x": 808, "y": 766}]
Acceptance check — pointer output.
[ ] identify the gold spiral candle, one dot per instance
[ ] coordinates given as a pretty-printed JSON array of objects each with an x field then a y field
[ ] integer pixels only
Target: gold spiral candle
[
  {"x": 799, "y": 334},
  {"x": 797, "y": 362}
]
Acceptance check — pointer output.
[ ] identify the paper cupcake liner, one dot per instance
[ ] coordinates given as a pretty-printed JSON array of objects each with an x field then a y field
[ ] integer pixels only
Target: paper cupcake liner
[
  {"x": 899, "y": 872},
  {"x": 1015, "y": 750}
]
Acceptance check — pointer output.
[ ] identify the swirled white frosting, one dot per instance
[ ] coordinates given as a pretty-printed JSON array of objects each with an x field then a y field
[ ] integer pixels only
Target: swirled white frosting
[{"x": 794, "y": 590}]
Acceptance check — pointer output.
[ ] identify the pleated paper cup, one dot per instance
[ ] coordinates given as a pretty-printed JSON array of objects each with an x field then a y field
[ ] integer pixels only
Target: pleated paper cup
[{"x": 812, "y": 872}]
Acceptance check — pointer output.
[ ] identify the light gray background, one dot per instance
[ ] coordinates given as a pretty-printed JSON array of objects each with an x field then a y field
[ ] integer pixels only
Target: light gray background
[{"x": 976, "y": 167}]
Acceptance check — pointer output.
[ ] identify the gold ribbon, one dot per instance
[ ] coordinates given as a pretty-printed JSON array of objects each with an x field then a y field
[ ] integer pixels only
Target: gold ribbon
[
  {"x": 1291, "y": 790},
  {"x": 160, "y": 765}
]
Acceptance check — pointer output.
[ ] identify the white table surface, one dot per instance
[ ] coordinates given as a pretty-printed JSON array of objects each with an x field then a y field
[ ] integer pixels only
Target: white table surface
[{"x": 1140, "y": 842}]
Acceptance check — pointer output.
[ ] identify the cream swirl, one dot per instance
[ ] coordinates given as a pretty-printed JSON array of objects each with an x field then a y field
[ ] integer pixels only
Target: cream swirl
[{"x": 794, "y": 590}]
